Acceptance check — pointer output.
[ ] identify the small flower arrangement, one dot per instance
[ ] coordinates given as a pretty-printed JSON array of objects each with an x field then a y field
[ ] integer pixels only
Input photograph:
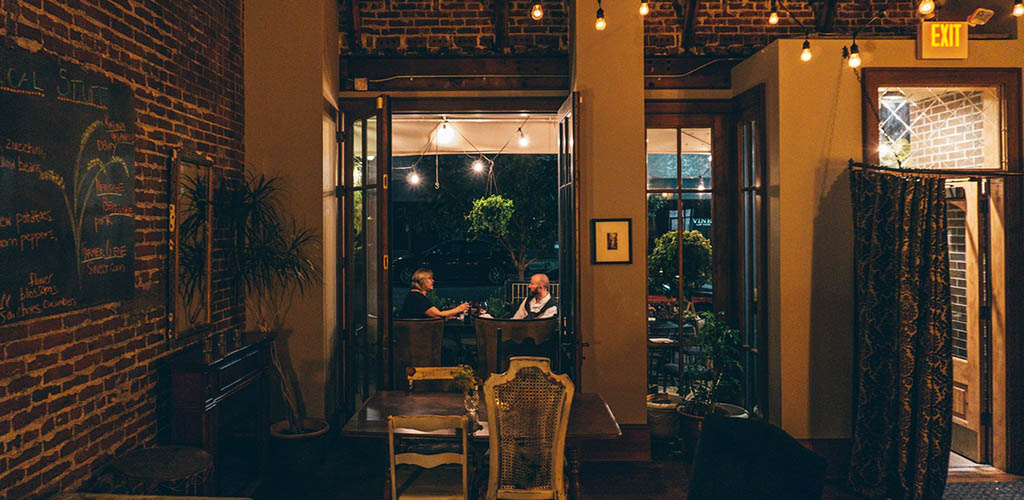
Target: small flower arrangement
[{"x": 466, "y": 379}]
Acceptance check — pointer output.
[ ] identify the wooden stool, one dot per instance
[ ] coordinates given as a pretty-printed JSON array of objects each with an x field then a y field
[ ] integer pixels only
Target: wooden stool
[{"x": 165, "y": 469}]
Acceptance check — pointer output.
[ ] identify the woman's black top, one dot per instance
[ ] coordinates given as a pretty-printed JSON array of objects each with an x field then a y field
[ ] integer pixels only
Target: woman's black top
[{"x": 415, "y": 306}]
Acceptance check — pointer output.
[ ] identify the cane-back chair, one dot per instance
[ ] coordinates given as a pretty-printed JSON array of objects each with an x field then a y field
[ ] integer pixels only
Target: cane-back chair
[
  {"x": 415, "y": 342},
  {"x": 435, "y": 476},
  {"x": 527, "y": 414}
]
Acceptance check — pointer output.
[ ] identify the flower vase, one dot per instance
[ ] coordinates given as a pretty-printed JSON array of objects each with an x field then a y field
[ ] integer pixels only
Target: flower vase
[{"x": 472, "y": 401}]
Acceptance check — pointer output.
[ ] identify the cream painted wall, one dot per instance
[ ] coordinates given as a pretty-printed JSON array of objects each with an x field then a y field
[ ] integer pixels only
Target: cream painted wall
[
  {"x": 608, "y": 73},
  {"x": 291, "y": 68},
  {"x": 814, "y": 127}
]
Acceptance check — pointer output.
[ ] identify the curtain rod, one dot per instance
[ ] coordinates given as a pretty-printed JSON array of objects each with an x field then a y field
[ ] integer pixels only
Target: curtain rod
[{"x": 925, "y": 172}]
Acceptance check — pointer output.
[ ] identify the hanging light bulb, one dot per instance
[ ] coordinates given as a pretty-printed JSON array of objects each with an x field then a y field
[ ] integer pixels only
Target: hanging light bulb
[
  {"x": 600, "y": 23},
  {"x": 854, "y": 60},
  {"x": 478, "y": 165},
  {"x": 644, "y": 8},
  {"x": 413, "y": 178},
  {"x": 926, "y": 7},
  {"x": 1018, "y": 8},
  {"x": 537, "y": 12},
  {"x": 445, "y": 134},
  {"x": 523, "y": 139},
  {"x": 773, "y": 16},
  {"x": 805, "y": 54}
]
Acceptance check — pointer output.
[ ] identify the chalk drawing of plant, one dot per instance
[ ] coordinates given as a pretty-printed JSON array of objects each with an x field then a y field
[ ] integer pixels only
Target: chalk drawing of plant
[{"x": 83, "y": 188}]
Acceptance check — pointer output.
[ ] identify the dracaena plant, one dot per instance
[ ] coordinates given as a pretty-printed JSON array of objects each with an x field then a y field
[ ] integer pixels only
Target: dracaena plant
[{"x": 270, "y": 262}]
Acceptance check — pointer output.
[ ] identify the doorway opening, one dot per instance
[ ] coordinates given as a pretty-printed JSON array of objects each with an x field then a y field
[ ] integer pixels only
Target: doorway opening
[
  {"x": 954, "y": 121},
  {"x": 483, "y": 198}
]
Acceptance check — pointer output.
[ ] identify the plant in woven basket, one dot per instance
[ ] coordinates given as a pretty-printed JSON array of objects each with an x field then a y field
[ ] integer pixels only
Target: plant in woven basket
[{"x": 716, "y": 372}]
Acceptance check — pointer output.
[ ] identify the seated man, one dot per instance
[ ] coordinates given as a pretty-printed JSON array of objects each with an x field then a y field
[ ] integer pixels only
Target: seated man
[{"x": 539, "y": 303}]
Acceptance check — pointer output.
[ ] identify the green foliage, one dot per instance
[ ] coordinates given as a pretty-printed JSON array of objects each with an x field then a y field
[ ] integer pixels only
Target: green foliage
[
  {"x": 663, "y": 263},
  {"x": 498, "y": 308},
  {"x": 192, "y": 244},
  {"x": 270, "y": 261},
  {"x": 440, "y": 302},
  {"x": 466, "y": 379},
  {"x": 714, "y": 372},
  {"x": 491, "y": 216}
]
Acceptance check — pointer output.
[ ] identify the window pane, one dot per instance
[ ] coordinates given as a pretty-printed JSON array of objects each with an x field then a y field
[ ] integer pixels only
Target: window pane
[
  {"x": 357, "y": 152},
  {"x": 662, "y": 158},
  {"x": 695, "y": 223},
  {"x": 940, "y": 127},
  {"x": 696, "y": 158}
]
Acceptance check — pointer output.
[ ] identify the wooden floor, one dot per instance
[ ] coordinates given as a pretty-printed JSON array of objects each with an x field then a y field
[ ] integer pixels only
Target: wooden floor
[
  {"x": 962, "y": 470},
  {"x": 355, "y": 470}
]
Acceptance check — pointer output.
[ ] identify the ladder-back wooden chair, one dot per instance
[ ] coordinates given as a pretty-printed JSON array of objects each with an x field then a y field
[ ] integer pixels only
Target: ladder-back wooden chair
[
  {"x": 436, "y": 476},
  {"x": 436, "y": 378},
  {"x": 527, "y": 414}
]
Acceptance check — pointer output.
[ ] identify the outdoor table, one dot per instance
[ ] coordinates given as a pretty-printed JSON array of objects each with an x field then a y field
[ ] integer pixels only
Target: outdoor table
[{"x": 589, "y": 418}]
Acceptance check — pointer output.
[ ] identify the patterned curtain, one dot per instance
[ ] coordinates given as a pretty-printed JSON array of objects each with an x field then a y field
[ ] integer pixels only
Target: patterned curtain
[{"x": 904, "y": 372}]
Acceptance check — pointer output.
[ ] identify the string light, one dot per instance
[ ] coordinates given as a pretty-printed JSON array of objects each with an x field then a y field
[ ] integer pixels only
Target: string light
[
  {"x": 413, "y": 178},
  {"x": 1018, "y": 8},
  {"x": 926, "y": 7},
  {"x": 523, "y": 139},
  {"x": 478, "y": 165},
  {"x": 445, "y": 134},
  {"x": 537, "y": 12},
  {"x": 805, "y": 54},
  {"x": 600, "y": 23},
  {"x": 644, "y": 8},
  {"x": 854, "y": 56},
  {"x": 773, "y": 16}
]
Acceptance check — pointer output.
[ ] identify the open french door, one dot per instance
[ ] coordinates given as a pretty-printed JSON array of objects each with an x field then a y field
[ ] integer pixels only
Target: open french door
[
  {"x": 571, "y": 357},
  {"x": 968, "y": 235},
  {"x": 364, "y": 300}
]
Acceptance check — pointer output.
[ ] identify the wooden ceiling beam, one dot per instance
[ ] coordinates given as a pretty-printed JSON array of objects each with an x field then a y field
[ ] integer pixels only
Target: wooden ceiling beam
[
  {"x": 686, "y": 11},
  {"x": 499, "y": 15},
  {"x": 824, "y": 15}
]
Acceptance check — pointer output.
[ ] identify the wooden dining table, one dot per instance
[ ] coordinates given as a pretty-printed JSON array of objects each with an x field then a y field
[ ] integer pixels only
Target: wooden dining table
[{"x": 589, "y": 419}]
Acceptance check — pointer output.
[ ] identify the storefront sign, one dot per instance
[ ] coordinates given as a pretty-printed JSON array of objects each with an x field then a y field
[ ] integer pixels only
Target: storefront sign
[{"x": 942, "y": 40}]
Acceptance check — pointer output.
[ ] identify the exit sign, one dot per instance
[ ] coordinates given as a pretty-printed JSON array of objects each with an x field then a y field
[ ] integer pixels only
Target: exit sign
[{"x": 941, "y": 40}]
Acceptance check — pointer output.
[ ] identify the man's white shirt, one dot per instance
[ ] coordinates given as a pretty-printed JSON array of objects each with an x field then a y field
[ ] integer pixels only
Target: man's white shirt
[{"x": 536, "y": 305}]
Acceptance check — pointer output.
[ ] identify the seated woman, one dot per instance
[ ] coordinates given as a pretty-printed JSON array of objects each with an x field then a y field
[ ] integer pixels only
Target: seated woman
[{"x": 416, "y": 305}]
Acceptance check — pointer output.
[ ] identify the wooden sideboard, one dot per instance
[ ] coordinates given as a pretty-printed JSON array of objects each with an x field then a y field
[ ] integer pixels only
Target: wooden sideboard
[{"x": 214, "y": 391}]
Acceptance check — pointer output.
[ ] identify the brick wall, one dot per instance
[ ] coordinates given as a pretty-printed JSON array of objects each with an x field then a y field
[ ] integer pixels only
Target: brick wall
[
  {"x": 948, "y": 130},
  {"x": 465, "y": 27},
  {"x": 956, "y": 234},
  {"x": 82, "y": 386}
]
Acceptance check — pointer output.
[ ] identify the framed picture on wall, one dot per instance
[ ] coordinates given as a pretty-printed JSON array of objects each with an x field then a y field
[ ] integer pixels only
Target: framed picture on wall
[{"x": 611, "y": 241}]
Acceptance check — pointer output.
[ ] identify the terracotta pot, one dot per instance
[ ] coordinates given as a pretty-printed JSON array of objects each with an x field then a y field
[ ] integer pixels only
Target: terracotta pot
[{"x": 689, "y": 425}]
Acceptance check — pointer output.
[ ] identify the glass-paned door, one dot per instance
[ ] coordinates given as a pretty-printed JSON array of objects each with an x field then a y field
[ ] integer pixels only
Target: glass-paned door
[
  {"x": 751, "y": 262},
  {"x": 363, "y": 204},
  {"x": 571, "y": 358},
  {"x": 680, "y": 266}
]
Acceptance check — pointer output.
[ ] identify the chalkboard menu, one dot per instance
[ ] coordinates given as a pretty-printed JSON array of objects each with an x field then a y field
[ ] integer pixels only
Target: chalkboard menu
[{"x": 67, "y": 187}]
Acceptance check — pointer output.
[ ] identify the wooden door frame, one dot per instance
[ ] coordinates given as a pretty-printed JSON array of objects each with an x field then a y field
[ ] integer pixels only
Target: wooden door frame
[{"x": 1006, "y": 219}]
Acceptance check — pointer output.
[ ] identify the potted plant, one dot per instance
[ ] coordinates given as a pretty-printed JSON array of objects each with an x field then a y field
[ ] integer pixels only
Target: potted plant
[
  {"x": 270, "y": 262},
  {"x": 713, "y": 374}
]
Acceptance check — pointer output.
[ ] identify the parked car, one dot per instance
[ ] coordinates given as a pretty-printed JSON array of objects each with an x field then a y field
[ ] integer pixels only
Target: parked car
[{"x": 473, "y": 261}]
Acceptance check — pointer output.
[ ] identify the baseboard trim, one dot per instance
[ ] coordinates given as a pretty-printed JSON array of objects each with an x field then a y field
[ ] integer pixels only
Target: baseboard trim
[
  {"x": 633, "y": 446},
  {"x": 835, "y": 451}
]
